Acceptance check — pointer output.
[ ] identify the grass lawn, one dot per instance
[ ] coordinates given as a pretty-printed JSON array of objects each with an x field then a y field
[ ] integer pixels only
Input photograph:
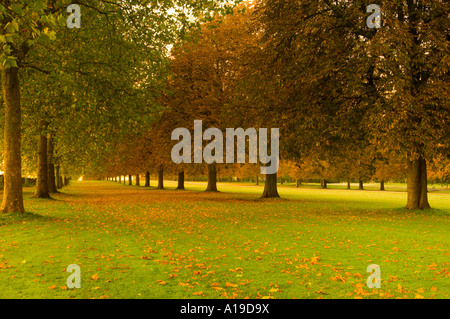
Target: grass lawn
[{"x": 136, "y": 242}]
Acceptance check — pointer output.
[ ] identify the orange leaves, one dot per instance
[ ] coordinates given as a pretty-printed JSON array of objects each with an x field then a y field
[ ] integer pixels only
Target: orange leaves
[
  {"x": 236, "y": 270},
  {"x": 222, "y": 256},
  {"x": 245, "y": 282},
  {"x": 4, "y": 265},
  {"x": 272, "y": 290},
  {"x": 200, "y": 293},
  {"x": 314, "y": 260},
  {"x": 338, "y": 278},
  {"x": 359, "y": 290},
  {"x": 432, "y": 266},
  {"x": 392, "y": 278}
]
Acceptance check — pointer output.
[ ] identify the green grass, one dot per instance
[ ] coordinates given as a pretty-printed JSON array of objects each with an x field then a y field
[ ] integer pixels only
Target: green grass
[{"x": 136, "y": 242}]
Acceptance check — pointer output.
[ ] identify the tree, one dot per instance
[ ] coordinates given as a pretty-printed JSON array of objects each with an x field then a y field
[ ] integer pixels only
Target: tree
[
  {"x": 22, "y": 25},
  {"x": 26, "y": 23},
  {"x": 389, "y": 167},
  {"x": 42, "y": 190},
  {"x": 413, "y": 115},
  {"x": 205, "y": 71},
  {"x": 333, "y": 73},
  {"x": 52, "y": 176}
]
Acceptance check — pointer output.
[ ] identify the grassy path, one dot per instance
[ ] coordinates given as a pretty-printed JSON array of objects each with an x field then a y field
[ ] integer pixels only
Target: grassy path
[{"x": 135, "y": 242}]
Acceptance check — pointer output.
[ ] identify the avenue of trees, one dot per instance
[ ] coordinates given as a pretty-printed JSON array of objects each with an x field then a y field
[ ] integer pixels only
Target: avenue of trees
[
  {"x": 75, "y": 92},
  {"x": 353, "y": 104}
]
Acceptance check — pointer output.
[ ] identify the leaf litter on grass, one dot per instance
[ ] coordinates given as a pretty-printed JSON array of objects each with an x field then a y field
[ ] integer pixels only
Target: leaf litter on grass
[{"x": 134, "y": 243}]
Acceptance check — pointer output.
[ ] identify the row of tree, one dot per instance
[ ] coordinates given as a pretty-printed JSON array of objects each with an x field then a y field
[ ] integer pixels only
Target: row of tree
[
  {"x": 105, "y": 98},
  {"x": 308, "y": 170},
  {"x": 73, "y": 94},
  {"x": 350, "y": 98}
]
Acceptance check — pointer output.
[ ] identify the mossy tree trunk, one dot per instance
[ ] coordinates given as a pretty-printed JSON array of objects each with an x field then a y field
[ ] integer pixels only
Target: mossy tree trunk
[
  {"x": 161, "y": 177},
  {"x": 147, "y": 179},
  {"x": 212, "y": 178},
  {"x": 42, "y": 190},
  {"x": 270, "y": 188},
  {"x": 12, "y": 192},
  {"x": 52, "y": 187},
  {"x": 138, "y": 182},
  {"x": 417, "y": 184},
  {"x": 180, "y": 180}
]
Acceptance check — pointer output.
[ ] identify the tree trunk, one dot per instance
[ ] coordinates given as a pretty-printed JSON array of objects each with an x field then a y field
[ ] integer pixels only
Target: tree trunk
[
  {"x": 130, "y": 180},
  {"x": 58, "y": 177},
  {"x": 382, "y": 186},
  {"x": 51, "y": 167},
  {"x": 257, "y": 179},
  {"x": 270, "y": 188},
  {"x": 12, "y": 194},
  {"x": 212, "y": 178},
  {"x": 361, "y": 184},
  {"x": 138, "y": 182},
  {"x": 298, "y": 182},
  {"x": 348, "y": 185},
  {"x": 161, "y": 178},
  {"x": 42, "y": 174},
  {"x": 180, "y": 180},
  {"x": 124, "y": 179},
  {"x": 147, "y": 179},
  {"x": 61, "y": 181},
  {"x": 323, "y": 183},
  {"x": 417, "y": 184}
]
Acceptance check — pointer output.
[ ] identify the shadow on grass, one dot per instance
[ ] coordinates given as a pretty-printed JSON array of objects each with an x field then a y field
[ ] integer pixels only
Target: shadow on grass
[
  {"x": 15, "y": 218},
  {"x": 222, "y": 196},
  {"x": 421, "y": 212}
]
